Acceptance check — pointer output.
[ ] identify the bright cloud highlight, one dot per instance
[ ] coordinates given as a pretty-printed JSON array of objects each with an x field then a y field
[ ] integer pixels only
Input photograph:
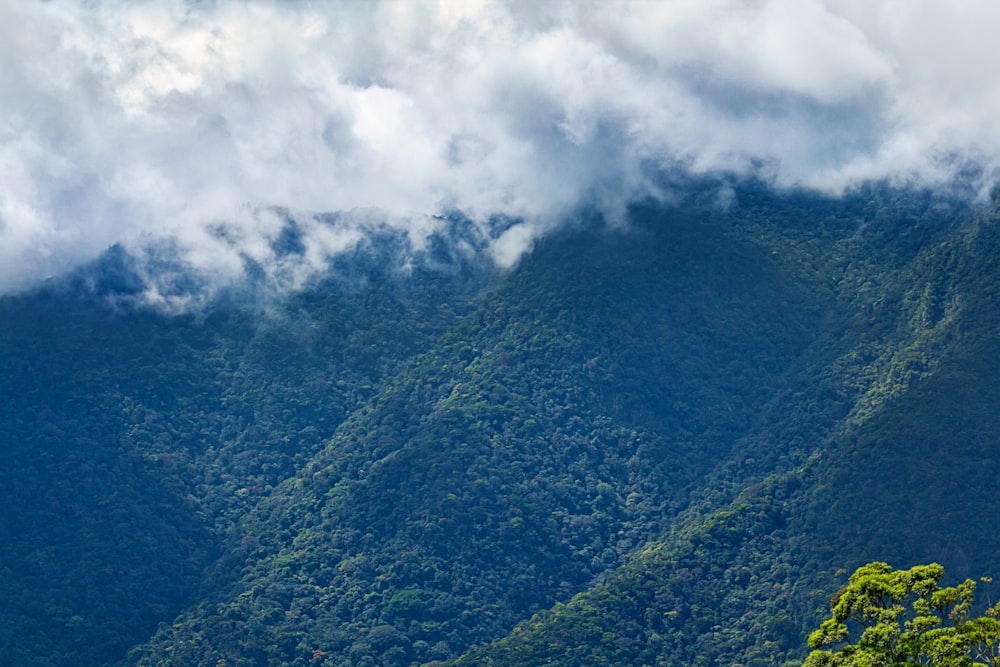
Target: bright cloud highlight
[{"x": 141, "y": 122}]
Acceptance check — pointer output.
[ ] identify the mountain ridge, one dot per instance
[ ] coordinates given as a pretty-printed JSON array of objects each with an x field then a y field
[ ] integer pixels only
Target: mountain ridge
[{"x": 632, "y": 436}]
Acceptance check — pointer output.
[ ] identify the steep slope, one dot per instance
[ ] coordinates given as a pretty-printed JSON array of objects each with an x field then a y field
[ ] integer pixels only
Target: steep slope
[
  {"x": 133, "y": 441},
  {"x": 667, "y": 440},
  {"x": 907, "y": 474},
  {"x": 90, "y": 526},
  {"x": 745, "y": 584},
  {"x": 543, "y": 439}
]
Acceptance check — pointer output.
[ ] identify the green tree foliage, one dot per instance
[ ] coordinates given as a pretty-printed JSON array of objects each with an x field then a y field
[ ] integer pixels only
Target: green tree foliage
[
  {"x": 537, "y": 444},
  {"x": 131, "y": 441},
  {"x": 644, "y": 440},
  {"x": 904, "y": 617},
  {"x": 891, "y": 417}
]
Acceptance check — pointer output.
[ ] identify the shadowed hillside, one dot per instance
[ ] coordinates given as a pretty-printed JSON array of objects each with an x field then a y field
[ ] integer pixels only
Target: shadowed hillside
[{"x": 657, "y": 444}]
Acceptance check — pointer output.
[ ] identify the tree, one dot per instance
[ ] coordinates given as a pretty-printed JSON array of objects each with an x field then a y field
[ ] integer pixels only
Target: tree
[{"x": 886, "y": 617}]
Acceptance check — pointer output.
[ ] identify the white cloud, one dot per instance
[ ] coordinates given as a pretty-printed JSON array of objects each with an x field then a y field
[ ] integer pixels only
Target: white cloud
[{"x": 145, "y": 121}]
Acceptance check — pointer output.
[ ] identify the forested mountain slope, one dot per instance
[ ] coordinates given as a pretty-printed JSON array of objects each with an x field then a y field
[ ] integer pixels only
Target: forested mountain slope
[
  {"x": 550, "y": 433},
  {"x": 668, "y": 440},
  {"x": 907, "y": 474},
  {"x": 133, "y": 440}
]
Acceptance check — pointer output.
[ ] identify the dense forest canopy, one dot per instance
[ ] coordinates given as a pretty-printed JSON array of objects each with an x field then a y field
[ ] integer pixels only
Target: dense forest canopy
[
  {"x": 500, "y": 333},
  {"x": 663, "y": 442}
]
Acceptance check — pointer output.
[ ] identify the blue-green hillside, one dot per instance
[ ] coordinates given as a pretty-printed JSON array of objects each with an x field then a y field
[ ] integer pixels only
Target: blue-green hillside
[{"x": 663, "y": 442}]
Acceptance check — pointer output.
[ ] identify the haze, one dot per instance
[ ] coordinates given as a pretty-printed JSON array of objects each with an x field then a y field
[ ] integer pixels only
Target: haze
[{"x": 152, "y": 123}]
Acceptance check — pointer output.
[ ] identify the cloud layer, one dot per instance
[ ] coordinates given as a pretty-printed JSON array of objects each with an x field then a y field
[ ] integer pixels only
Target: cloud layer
[{"x": 142, "y": 122}]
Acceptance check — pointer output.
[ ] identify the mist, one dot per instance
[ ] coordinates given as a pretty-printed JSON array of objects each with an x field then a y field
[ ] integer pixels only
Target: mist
[{"x": 188, "y": 124}]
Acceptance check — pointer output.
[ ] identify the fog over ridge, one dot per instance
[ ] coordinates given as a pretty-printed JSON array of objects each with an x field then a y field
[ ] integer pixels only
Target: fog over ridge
[{"x": 140, "y": 122}]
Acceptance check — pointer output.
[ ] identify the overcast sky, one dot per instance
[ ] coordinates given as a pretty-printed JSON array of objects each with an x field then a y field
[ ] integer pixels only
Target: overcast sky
[{"x": 139, "y": 121}]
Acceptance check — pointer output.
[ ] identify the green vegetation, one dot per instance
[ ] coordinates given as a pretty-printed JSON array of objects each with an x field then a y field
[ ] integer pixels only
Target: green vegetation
[
  {"x": 533, "y": 448},
  {"x": 656, "y": 445},
  {"x": 904, "y": 617},
  {"x": 132, "y": 442}
]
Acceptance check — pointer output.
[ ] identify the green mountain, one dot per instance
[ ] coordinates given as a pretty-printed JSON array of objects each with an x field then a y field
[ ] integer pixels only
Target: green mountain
[
  {"x": 902, "y": 468},
  {"x": 660, "y": 444}
]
